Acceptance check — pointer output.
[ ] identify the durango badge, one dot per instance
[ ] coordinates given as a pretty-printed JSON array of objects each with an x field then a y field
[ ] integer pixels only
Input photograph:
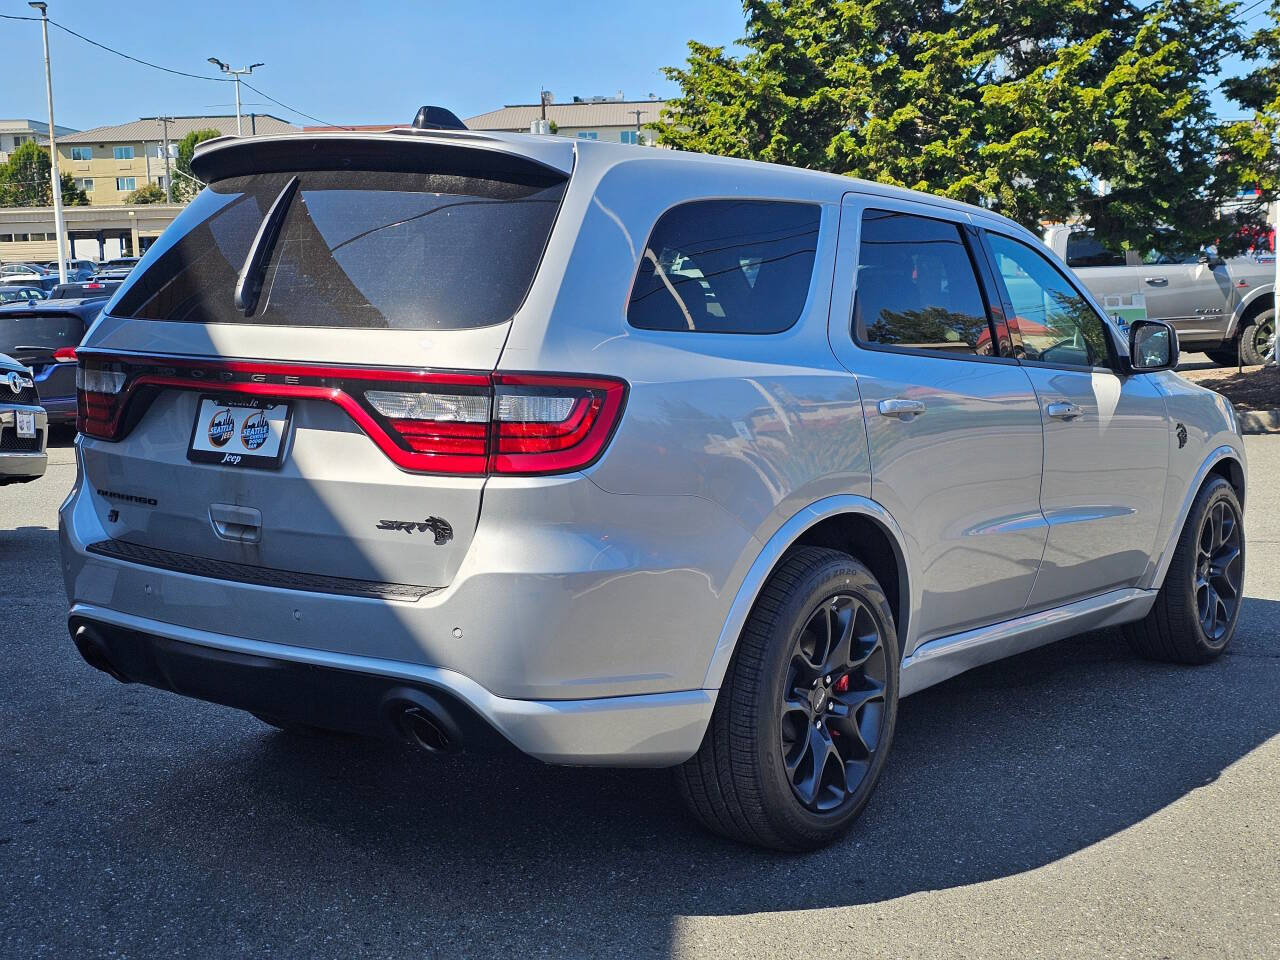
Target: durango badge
[{"x": 441, "y": 528}]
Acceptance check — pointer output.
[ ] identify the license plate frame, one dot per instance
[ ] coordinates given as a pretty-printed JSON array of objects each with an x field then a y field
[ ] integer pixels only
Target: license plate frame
[{"x": 221, "y": 432}]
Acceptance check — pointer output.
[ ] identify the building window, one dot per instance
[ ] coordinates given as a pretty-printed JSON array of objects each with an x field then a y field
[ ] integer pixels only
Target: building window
[
  {"x": 6, "y": 238},
  {"x": 160, "y": 182},
  {"x": 19, "y": 141},
  {"x": 126, "y": 184},
  {"x": 85, "y": 184},
  {"x": 82, "y": 153},
  {"x": 588, "y": 135},
  {"x": 122, "y": 153},
  {"x": 21, "y": 237},
  {"x": 629, "y": 136}
]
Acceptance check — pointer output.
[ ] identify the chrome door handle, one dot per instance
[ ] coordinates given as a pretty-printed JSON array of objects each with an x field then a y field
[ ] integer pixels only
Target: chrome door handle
[
  {"x": 902, "y": 409},
  {"x": 1062, "y": 410},
  {"x": 1157, "y": 281}
]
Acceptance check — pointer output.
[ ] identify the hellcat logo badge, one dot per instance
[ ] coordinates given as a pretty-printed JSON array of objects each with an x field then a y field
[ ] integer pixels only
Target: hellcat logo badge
[
  {"x": 441, "y": 528},
  {"x": 1182, "y": 435},
  {"x": 221, "y": 427}
]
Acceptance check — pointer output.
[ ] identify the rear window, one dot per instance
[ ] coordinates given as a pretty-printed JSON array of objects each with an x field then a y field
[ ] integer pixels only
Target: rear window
[
  {"x": 37, "y": 328},
  {"x": 372, "y": 249},
  {"x": 726, "y": 266}
]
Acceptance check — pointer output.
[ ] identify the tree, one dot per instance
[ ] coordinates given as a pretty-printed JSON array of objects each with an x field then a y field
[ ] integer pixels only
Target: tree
[
  {"x": 148, "y": 193},
  {"x": 26, "y": 176},
  {"x": 1254, "y": 144},
  {"x": 1035, "y": 110},
  {"x": 185, "y": 184}
]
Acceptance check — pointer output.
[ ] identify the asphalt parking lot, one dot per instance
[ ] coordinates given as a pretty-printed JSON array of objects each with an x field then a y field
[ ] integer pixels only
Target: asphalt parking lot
[{"x": 1071, "y": 802}]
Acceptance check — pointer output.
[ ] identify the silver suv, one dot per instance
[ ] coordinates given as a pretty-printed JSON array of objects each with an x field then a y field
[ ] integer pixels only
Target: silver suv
[{"x": 624, "y": 457}]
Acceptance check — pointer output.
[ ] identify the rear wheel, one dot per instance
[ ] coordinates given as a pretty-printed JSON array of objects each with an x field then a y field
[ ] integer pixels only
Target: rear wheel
[
  {"x": 806, "y": 714},
  {"x": 1195, "y": 613},
  {"x": 1257, "y": 338}
]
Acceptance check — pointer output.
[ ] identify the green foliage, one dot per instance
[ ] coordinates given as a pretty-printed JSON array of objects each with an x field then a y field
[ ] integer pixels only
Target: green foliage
[
  {"x": 185, "y": 184},
  {"x": 1254, "y": 144},
  {"x": 26, "y": 177},
  {"x": 149, "y": 193},
  {"x": 1037, "y": 110}
]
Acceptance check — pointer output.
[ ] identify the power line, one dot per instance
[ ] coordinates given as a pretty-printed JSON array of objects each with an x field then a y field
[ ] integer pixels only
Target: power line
[
  {"x": 145, "y": 63},
  {"x": 292, "y": 109}
]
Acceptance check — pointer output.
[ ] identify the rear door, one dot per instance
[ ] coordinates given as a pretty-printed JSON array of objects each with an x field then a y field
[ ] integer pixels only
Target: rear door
[
  {"x": 1106, "y": 436},
  {"x": 953, "y": 425},
  {"x": 326, "y": 425}
]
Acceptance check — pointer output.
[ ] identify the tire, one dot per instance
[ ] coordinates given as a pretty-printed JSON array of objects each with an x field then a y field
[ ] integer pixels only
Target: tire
[
  {"x": 1256, "y": 337},
  {"x": 1178, "y": 629},
  {"x": 757, "y": 757}
]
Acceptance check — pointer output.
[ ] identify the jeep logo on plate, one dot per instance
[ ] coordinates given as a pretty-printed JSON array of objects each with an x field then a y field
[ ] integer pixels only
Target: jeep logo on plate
[{"x": 221, "y": 427}]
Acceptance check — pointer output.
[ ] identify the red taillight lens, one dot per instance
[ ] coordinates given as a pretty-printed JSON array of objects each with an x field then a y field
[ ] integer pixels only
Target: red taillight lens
[
  {"x": 424, "y": 420},
  {"x": 65, "y": 355},
  {"x": 552, "y": 424},
  {"x": 99, "y": 398}
]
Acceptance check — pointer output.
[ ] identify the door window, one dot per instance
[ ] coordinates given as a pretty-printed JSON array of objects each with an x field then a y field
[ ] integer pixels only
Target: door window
[
  {"x": 916, "y": 287},
  {"x": 1057, "y": 324}
]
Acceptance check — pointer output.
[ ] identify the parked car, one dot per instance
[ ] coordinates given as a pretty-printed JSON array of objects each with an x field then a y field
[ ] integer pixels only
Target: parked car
[
  {"x": 23, "y": 428},
  {"x": 671, "y": 460},
  {"x": 20, "y": 293},
  {"x": 1224, "y": 308},
  {"x": 85, "y": 290},
  {"x": 76, "y": 269},
  {"x": 116, "y": 269},
  {"x": 44, "y": 336},
  {"x": 22, "y": 271},
  {"x": 44, "y": 284}
]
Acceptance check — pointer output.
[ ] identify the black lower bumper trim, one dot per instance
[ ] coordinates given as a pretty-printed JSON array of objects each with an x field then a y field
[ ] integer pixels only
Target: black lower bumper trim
[
  {"x": 259, "y": 576},
  {"x": 284, "y": 690}
]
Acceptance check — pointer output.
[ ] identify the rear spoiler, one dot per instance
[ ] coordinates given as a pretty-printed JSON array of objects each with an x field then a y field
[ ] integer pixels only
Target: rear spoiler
[{"x": 412, "y": 151}]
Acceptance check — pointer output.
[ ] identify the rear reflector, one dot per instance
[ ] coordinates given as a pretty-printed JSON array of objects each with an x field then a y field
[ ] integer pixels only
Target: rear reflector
[{"x": 426, "y": 421}]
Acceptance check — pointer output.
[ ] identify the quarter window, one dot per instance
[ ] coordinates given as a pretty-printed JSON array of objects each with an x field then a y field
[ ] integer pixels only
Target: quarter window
[
  {"x": 916, "y": 287},
  {"x": 1057, "y": 324},
  {"x": 726, "y": 266}
]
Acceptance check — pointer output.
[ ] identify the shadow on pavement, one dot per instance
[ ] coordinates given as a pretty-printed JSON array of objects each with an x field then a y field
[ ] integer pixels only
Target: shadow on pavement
[{"x": 184, "y": 820}]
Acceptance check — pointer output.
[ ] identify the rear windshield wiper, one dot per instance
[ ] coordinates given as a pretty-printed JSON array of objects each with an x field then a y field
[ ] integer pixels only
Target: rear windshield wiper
[{"x": 249, "y": 283}]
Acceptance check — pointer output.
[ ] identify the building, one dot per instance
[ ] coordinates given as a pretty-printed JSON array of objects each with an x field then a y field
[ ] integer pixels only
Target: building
[
  {"x": 594, "y": 118},
  {"x": 109, "y": 163},
  {"x": 14, "y": 133},
  {"x": 94, "y": 233}
]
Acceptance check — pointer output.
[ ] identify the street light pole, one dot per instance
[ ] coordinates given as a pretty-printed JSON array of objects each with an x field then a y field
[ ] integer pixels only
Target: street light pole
[
  {"x": 168, "y": 177},
  {"x": 55, "y": 177},
  {"x": 236, "y": 74}
]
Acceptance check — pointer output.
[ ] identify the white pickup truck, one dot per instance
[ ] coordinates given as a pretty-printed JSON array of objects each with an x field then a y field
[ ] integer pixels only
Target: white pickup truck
[{"x": 1224, "y": 308}]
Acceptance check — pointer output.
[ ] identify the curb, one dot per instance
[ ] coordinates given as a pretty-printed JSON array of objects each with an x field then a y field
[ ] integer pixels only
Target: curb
[{"x": 1259, "y": 421}]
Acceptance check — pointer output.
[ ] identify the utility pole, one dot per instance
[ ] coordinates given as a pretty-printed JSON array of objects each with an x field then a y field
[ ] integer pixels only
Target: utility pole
[
  {"x": 55, "y": 177},
  {"x": 168, "y": 177},
  {"x": 638, "y": 114},
  {"x": 226, "y": 68}
]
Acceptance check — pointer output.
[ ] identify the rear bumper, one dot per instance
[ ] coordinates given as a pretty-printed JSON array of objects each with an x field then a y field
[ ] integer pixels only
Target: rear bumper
[
  {"x": 21, "y": 466},
  {"x": 368, "y": 696}
]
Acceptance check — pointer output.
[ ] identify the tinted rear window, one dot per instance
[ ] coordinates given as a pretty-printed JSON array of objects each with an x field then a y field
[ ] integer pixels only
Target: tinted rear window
[
  {"x": 35, "y": 328},
  {"x": 726, "y": 266},
  {"x": 419, "y": 251}
]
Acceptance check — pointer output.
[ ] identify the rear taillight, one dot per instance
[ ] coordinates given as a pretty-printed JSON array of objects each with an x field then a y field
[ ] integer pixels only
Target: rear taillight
[
  {"x": 100, "y": 398},
  {"x": 426, "y": 421},
  {"x": 65, "y": 355}
]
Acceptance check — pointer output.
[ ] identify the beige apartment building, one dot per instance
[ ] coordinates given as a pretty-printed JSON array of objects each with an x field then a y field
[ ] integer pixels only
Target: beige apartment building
[
  {"x": 109, "y": 163},
  {"x": 592, "y": 118}
]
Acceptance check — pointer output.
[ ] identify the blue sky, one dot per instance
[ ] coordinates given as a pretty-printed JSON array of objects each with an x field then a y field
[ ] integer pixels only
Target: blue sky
[{"x": 354, "y": 62}]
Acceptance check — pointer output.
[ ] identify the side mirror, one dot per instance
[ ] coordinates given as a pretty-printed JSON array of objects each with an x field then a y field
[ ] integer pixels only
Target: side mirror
[
  {"x": 1153, "y": 345},
  {"x": 1210, "y": 259}
]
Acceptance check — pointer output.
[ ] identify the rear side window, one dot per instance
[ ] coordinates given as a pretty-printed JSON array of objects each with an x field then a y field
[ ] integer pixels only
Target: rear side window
[
  {"x": 917, "y": 288},
  {"x": 1085, "y": 250},
  {"x": 726, "y": 266},
  {"x": 369, "y": 249}
]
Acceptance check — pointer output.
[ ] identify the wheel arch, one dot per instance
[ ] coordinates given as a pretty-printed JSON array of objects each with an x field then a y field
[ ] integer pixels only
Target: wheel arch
[
  {"x": 854, "y": 524},
  {"x": 1223, "y": 462},
  {"x": 1258, "y": 300}
]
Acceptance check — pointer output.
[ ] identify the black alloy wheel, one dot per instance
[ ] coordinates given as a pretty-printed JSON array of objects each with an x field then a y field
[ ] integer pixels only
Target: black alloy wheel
[
  {"x": 833, "y": 704},
  {"x": 1219, "y": 570}
]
